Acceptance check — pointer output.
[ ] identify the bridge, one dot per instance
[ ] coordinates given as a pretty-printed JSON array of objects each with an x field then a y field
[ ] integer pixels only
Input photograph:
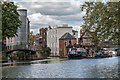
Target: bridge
[{"x": 20, "y": 48}]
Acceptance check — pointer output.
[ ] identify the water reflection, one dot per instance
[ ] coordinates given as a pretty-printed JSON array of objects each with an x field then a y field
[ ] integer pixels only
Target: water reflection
[{"x": 62, "y": 68}]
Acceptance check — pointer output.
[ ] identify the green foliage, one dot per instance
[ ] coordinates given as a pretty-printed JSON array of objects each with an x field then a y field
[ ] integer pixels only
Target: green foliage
[
  {"x": 45, "y": 50},
  {"x": 20, "y": 54},
  {"x": 21, "y": 43},
  {"x": 31, "y": 38},
  {"x": 10, "y": 20},
  {"x": 102, "y": 18}
]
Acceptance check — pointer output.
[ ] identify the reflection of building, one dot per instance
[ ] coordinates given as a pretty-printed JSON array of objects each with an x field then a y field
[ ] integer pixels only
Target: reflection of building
[
  {"x": 53, "y": 36},
  {"x": 64, "y": 41},
  {"x": 43, "y": 36},
  {"x": 85, "y": 38},
  {"x": 24, "y": 31}
]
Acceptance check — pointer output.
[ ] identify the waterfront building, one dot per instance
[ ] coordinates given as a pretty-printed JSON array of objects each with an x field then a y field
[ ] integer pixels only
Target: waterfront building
[
  {"x": 53, "y": 36},
  {"x": 43, "y": 36},
  {"x": 85, "y": 37},
  {"x": 24, "y": 30},
  {"x": 37, "y": 43},
  {"x": 10, "y": 43},
  {"x": 64, "y": 41},
  {"x": 75, "y": 33}
]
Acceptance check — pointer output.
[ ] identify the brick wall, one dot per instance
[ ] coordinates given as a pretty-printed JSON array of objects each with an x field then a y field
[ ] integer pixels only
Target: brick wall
[
  {"x": 62, "y": 48},
  {"x": 43, "y": 33}
]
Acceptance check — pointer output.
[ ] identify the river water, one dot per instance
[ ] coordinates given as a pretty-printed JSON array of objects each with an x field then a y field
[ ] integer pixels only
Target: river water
[{"x": 63, "y": 68}]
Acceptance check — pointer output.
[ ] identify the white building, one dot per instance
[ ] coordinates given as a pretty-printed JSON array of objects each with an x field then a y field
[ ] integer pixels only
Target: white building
[{"x": 54, "y": 34}]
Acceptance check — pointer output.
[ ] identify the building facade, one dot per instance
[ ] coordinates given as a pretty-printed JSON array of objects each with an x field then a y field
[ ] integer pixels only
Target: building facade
[
  {"x": 43, "y": 36},
  {"x": 10, "y": 43},
  {"x": 66, "y": 40},
  {"x": 85, "y": 38},
  {"x": 53, "y": 36},
  {"x": 24, "y": 31}
]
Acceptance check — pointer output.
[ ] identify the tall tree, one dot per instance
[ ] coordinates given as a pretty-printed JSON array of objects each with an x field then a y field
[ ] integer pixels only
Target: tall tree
[
  {"x": 102, "y": 18},
  {"x": 10, "y": 20}
]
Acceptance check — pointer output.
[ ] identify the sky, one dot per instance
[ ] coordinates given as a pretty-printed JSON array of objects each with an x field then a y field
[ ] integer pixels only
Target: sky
[{"x": 44, "y": 13}]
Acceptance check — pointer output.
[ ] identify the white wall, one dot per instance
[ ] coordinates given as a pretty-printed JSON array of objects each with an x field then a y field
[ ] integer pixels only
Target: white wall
[{"x": 53, "y": 36}]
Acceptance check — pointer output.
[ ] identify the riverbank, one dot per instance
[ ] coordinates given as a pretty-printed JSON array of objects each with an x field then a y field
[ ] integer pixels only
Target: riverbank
[
  {"x": 44, "y": 60},
  {"x": 29, "y": 62}
]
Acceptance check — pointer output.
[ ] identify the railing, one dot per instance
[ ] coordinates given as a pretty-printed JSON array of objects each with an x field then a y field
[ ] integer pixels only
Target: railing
[
  {"x": 25, "y": 47},
  {"x": 87, "y": 43}
]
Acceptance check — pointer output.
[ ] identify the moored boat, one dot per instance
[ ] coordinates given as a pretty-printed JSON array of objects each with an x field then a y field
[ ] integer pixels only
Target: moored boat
[{"x": 75, "y": 53}]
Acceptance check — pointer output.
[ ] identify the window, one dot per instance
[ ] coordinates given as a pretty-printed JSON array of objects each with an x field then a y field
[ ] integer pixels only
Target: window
[
  {"x": 54, "y": 44},
  {"x": 74, "y": 33},
  {"x": 65, "y": 43},
  {"x": 11, "y": 40},
  {"x": 70, "y": 42},
  {"x": 44, "y": 33},
  {"x": 8, "y": 40}
]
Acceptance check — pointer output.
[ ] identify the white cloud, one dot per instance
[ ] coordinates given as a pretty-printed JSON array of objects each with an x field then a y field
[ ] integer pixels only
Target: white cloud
[
  {"x": 35, "y": 31},
  {"x": 43, "y": 14}
]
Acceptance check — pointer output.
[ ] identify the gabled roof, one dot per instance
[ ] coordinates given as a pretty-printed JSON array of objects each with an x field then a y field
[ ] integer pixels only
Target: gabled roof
[
  {"x": 67, "y": 36},
  {"x": 74, "y": 31}
]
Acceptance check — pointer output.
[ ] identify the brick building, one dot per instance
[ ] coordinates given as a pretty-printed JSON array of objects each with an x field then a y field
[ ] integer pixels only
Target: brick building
[
  {"x": 43, "y": 36},
  {"x": 64, "y": 41},
  {"x": 54, "y": 34}
]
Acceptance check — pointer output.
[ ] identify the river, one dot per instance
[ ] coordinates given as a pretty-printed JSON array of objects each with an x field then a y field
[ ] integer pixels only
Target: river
[{"x": 63, "y": 68}]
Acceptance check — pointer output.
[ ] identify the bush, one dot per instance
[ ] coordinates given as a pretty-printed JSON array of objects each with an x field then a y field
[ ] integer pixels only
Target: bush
[
  {"x": 20, "y": 54},
  {"x": 45, "y": 50}
]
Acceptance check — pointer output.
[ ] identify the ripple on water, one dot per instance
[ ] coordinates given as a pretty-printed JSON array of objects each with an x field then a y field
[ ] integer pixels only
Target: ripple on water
[{"x": 85, "y": 68}]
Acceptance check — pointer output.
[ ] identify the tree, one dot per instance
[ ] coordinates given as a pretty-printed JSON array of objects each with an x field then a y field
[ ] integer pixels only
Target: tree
[
  {"x": 45, "y": 50},
  {"x": 31, "y": 38},
  {"x": 10, "y": 20},
  {"x": 102, "y": 18}
]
